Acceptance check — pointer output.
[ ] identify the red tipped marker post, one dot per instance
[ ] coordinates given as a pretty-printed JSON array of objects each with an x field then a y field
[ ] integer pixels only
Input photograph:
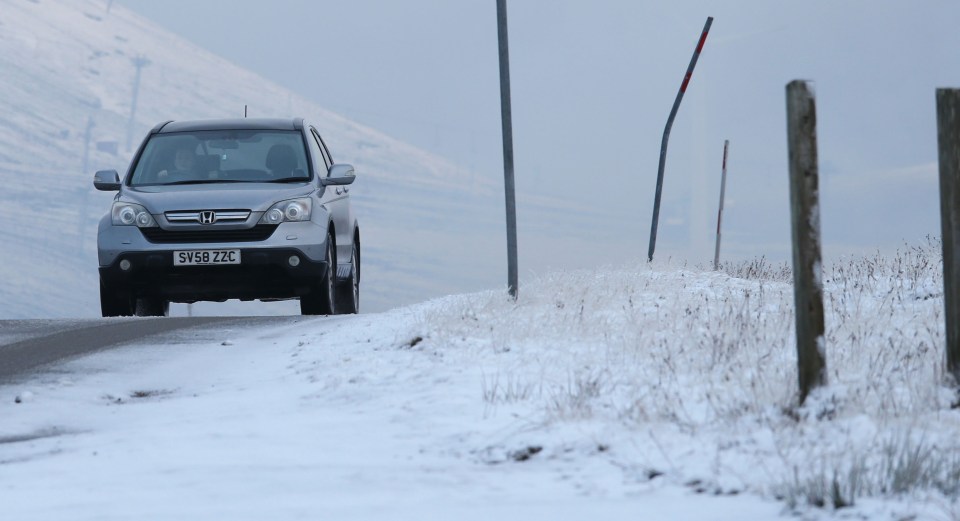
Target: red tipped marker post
[{"x": 666, "y": 137}]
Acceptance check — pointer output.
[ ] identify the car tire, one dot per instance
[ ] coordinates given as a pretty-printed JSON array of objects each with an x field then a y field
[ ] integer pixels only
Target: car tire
[
  {"x": 348, "y": 290},
  {"x": 320, "y": 300},
  {"x": 152, "y": 307},
  {"x": 114, "y": 302}
]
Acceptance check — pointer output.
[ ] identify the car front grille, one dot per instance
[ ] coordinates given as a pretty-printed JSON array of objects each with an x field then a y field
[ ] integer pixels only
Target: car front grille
[
  {"x": 260, "y": 232},
  {"x": 220, "y": 216}
]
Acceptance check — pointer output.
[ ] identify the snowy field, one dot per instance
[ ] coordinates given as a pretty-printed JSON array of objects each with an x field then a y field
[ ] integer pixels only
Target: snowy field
[{"x": 639, "y": 392}]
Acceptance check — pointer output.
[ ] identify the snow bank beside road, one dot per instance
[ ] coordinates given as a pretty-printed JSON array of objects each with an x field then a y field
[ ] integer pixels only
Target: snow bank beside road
[{"x": 650, "y": 393}]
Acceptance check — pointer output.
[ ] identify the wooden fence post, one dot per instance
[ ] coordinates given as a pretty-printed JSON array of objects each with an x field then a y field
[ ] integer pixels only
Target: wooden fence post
[
  {"x": 805, "y": 217},
  {"x": 948, "y": 141}
]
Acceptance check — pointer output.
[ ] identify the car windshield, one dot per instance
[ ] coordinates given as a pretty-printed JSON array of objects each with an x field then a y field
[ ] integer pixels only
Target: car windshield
[{"x": 228, "y": 156}]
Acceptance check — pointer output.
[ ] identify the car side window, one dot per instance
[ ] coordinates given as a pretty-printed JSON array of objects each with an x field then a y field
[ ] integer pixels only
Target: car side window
[{"x": 318, "y": 146}]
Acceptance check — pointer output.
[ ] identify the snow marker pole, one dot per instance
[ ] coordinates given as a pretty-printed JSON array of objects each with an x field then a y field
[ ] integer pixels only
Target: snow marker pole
[
  {"x": 666, "y": 137},
  {"x": 723, "y": 186}
]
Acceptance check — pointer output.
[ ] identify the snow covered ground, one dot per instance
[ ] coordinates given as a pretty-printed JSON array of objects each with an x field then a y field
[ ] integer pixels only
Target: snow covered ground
[{"x": 629, "y": 393}]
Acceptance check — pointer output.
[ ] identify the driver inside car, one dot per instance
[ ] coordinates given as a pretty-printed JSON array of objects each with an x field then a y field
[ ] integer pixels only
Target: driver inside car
[{"x": 184, "y": 165}]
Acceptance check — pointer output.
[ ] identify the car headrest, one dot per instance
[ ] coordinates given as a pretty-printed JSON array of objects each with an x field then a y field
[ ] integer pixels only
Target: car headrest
[
  {"x": 281, "y": 158},
  {"x": 208, "y": 162}
]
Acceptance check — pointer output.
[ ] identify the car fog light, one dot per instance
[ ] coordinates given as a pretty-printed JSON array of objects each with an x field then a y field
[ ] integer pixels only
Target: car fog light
[
  {"x": 125, "y": 265},
  {"x": 294, "y": 261}
]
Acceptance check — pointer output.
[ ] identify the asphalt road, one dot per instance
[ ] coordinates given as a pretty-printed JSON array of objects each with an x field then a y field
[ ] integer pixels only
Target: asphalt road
[{"x": 30, "y": 345}]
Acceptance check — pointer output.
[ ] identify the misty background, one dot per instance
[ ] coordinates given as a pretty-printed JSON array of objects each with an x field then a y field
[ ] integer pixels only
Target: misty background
[
  {"x": 593, "y": 83},
  {"x": 408, "y": 92}
]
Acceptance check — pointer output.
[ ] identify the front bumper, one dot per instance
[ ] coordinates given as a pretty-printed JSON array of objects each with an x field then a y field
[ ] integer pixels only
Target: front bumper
[
  {"x": 262, "y": 274},
  {"x": 308, "y": 237},
  {"x": 264, "y": 271}
]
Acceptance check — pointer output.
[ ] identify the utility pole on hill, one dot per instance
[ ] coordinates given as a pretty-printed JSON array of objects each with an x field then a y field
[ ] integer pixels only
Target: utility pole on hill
[
  {"x": 139, "y": 62},
  {"x": 86, "y": 192}
]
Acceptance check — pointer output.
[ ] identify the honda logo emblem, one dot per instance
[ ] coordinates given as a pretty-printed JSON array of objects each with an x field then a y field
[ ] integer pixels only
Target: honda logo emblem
[{"x": 207, "y": 217}]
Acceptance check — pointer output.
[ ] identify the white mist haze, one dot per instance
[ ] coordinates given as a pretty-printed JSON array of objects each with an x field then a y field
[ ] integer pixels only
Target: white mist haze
[
  {"x": 593, "y": 83},
  {"x": 428, "y": 227},
  {"x": 592, "y": 87}
]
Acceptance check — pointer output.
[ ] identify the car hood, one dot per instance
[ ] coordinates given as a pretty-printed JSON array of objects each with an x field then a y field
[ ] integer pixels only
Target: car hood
[{"x": 257, "y": 197}]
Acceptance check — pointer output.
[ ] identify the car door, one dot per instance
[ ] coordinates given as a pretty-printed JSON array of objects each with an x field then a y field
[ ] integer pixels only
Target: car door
[{"x": 337, "y": 200}]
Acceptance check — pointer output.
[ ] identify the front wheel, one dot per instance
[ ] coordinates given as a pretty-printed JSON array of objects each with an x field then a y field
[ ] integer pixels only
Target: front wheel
[
  {"x": 320, "y": 301},
  {"x": 114, "y": 302},
  {"x": 152, "y": 307},
  {"x": 348, "y": 291}
]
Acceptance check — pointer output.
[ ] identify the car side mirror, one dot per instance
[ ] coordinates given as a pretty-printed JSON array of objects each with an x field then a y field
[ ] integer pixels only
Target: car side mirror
[
  {"x": 340, "y": 174},
  {"x": 106, "y": 180}
]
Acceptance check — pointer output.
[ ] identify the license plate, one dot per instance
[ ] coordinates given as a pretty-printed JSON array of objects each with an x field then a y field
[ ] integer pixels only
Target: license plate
[{"x": 205, "y": 257}]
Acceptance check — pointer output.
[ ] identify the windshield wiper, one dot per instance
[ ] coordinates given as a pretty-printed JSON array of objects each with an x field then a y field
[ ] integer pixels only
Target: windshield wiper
[
  {"x": 288, "y": 180},
  {"x": 202, "y": 182}
]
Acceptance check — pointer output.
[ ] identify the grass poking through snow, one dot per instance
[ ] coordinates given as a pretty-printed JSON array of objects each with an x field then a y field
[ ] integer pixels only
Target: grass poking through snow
[{"x": 695, "y": 371}]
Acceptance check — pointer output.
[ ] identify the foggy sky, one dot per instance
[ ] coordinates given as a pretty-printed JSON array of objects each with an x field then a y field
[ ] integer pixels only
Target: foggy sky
[{"x": 593, "y": 83}]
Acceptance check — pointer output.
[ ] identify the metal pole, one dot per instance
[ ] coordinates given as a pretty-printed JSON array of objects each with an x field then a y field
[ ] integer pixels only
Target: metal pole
[
  {"x": 508, "y": 184},
  {"x": 723, "y": 187},
  {"x": 948, "y": 140},
  {"x": 805, "y": 217},
  {"x": 666, "y": 137}
]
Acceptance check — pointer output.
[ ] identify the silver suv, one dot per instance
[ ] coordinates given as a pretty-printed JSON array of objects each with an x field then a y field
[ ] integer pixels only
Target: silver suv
[{"x": 229, "y": 209}]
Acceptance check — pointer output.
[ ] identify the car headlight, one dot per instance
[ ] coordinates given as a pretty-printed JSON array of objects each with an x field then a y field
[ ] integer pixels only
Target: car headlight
[
  {"x": 288, "y": 211},
  {"x": 130, "y": 214}
]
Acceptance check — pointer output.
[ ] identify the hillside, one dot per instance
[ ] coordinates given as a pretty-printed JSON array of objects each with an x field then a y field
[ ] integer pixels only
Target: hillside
[{"x": 429, "y": 227}]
